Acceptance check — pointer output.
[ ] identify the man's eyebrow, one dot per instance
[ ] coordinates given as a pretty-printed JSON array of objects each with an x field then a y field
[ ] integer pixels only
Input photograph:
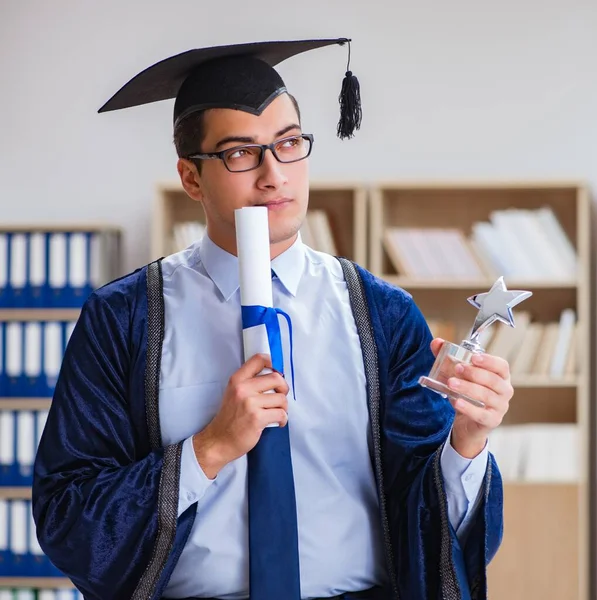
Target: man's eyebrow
[{"x": 250, "y": 140}]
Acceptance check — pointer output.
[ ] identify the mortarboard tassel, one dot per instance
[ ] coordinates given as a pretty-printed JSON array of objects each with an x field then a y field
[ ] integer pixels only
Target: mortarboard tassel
[{"x": 350, "y": 104}]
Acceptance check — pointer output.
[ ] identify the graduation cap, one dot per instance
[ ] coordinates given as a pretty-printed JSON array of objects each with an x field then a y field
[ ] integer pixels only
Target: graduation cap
[{"x": 240, "y": 76}]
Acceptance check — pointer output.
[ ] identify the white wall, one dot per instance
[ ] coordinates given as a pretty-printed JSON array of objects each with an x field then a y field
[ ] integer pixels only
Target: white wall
[{"x": 450, "y": 89}]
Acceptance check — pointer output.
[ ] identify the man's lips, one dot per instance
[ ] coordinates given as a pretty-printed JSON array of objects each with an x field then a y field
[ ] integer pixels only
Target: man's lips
[{"x": 277, "y": 203}]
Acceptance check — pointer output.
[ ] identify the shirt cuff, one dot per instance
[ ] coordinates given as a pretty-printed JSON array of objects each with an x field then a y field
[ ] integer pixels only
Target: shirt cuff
[
  {"x": 193, "y": 482},
  {"x": 463, "y": 478}
]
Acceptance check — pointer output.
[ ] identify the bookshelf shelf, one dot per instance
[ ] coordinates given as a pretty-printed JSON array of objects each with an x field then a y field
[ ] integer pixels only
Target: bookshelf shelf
[
  {"x": 344, "y": 205},
  {"x": 539, "y": 381},
  {"x": 15, "y": 493},
  {"x": 36, "y": 582},
  {"x": 547, "y": 523},
  {"x": 25, "y": 403},
  {"x": 39, "y": 314}
]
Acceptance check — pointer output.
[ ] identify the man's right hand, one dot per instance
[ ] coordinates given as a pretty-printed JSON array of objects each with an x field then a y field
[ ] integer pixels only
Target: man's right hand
[{"x": 245, "y": 412}]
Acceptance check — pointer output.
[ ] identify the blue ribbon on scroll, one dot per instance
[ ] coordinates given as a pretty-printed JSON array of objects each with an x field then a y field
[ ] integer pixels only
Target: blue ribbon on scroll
[{"x": 252, "y": 316}]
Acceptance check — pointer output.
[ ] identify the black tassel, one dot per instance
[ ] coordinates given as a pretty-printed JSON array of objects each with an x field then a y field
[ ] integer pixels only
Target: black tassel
[
  {"x": 350, "y": 104},
  {"x": 350, "y": 107}
]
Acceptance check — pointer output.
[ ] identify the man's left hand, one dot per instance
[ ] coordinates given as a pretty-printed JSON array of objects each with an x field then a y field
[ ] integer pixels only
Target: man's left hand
[{"x": 487, "y": 379}]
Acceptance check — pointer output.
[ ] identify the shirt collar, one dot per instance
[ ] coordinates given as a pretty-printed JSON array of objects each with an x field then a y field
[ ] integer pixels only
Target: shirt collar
[{"x": 222, "y": 267}]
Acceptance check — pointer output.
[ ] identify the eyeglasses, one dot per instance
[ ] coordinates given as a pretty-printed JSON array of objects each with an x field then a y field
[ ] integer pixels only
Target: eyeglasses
[{"x": 250, "y": 156}]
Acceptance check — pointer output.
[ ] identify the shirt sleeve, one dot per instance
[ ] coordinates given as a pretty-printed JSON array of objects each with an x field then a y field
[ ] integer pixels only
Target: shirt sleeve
[
  {"x": 193, "y": 481},
  {"x": 463, "y": 478}
]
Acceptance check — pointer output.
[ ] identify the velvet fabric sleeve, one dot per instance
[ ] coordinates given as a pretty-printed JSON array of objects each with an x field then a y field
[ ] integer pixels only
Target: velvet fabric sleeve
[
  {"x": 415, "y": 424},
  {"x": 97, "y": 482}
]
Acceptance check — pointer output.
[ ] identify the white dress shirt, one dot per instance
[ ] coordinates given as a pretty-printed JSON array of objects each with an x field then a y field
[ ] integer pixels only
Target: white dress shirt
[{"x": 340, "y": 536}]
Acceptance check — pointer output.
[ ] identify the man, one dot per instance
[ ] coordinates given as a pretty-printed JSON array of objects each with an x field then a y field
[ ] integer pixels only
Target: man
[{"x": 146, "y": 480}]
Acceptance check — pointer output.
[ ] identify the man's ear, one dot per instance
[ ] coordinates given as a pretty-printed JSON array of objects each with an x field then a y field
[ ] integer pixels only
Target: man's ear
[{"x": 190, "y": 178}]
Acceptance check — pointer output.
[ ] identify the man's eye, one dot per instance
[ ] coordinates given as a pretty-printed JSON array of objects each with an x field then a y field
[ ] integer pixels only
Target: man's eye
[
  {"x": 239, "y": 153},
  {"x": 290, "y": 143}
]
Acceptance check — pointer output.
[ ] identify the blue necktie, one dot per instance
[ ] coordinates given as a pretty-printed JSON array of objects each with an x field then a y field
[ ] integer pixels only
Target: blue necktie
[{"x": 273, "y": 536}]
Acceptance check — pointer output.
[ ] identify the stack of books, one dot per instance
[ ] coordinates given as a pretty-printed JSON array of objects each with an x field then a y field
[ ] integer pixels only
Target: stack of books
[
  {"x": 532, "y": 348},
  {"x": 521, "y": 244}
]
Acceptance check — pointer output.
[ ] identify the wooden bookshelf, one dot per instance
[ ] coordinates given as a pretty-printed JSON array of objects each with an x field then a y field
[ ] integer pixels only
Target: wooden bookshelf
[
  {"x": 546, "y": 550},
  {"x": 107, "y": 265},
  {"x": 344, "y": 204}
]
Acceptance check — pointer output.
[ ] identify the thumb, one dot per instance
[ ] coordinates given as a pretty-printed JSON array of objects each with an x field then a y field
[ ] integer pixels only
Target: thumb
[{"x": 436, "y": 345}]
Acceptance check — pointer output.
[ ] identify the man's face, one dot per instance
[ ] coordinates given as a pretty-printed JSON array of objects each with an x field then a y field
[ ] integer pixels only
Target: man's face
[{"x": 283, "y": 188}]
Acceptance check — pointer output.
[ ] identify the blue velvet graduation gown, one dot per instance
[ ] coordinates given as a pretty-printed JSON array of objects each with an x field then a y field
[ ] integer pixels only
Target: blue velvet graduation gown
[{"x": 105, "y": 491}]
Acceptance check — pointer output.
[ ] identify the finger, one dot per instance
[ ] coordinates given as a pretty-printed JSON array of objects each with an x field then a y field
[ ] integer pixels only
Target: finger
[
  {"x": 485, "y": 378},
  {"x": 269, "y": 381},
  {"x": 496, "y": 364},
  {"x": 476, "y": 392},
  {"x": 252, "y": 367},
  {"x": 436, "y": 345},
  {"x": 269, "y": 401},
  {"x": 488, "y": 419},
  {"x": 274, "y": 415}
]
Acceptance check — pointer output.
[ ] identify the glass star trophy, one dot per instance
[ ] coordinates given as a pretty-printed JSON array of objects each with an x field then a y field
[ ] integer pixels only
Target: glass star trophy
[{"x": 495, "y": 305}]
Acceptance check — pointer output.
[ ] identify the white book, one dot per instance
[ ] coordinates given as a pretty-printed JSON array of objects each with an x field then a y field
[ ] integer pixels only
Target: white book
[
  {"x": 53, "y": 351},
  {"x": 506, "y": 340},
  {"x": 538, "y": 454},
  {"x": 402, "y": 252},
  {"x": 18, "y": 526},
  {"x": 552, "y": 453},
  {"x": 7, "y": 439},
  {"x": 24, "y": 594},
  {"x": 97, "y": 271},
  {"x": 46, "y": 595},
  {"x": 41, "y": 418},
  {"x": 546, "y": 350},
  {"x": 6, "y": 594},
  {"x": 14, "y": 349},
  {"x": 3, "y": 260},
  {"x": 507, "y": 443},
  {"x": 463, "y": 262},
  {"x": 70, "y": 326},
  {"x": 511, "y": 246},
  {"x": 77, "y": 253},
  {"x": 483, "y": 258},
  {"x": 571, "y": 367},
  {"x": 34, "y": 546},
  {"x": 487, "y": 238},
  {"x": 545, "y": 251},
  {"x": 529, "y": 346},
  {"x": 566, "y": 460},
  {"x": 18, "y": 260},
  {"x": 4, "y": 524},
  {"x": 555, "y": 232},
  {"x": 37, "y": 259},
  {"x": 66, "y": 594},
  {"x": 1, "y": 348},
  {"x": 58, "y": 274},
  {"x": 33, "y": 339},
  {"x": 320, "y": 227},
  {"x": 25, "y": 441},
  {"x": 562, "y": 347}
]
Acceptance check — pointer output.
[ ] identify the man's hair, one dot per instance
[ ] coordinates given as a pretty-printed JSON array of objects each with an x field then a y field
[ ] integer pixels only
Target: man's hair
[{"x": 189, "y": 133}]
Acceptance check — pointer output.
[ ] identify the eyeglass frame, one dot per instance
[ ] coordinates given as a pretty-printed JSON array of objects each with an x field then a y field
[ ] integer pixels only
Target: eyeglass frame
[{"x": 263, "y": 147}]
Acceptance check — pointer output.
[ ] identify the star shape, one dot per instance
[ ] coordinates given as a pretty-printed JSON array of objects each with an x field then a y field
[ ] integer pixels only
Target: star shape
[{"x": 496, "y": 305}]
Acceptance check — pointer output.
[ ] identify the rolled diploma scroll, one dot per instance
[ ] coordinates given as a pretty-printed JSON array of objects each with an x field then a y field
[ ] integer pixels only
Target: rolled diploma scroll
[{"x": 255, "y": 274}]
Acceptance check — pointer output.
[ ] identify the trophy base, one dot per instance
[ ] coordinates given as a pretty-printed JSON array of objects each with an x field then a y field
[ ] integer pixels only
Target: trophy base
[{"x": 444, "y": 391}]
